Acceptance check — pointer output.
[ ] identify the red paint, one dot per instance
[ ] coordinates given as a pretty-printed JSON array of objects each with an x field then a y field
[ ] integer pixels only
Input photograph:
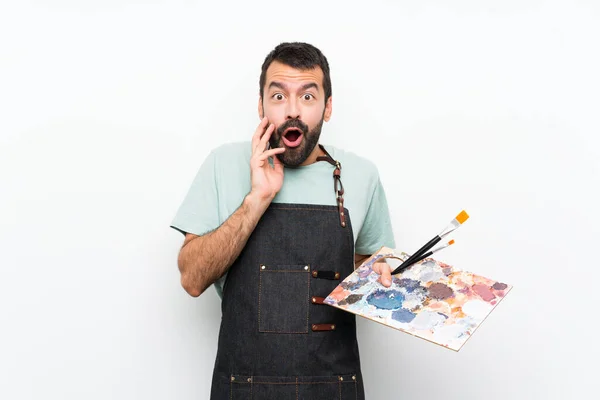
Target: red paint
[{"x": 484, "y": 292}]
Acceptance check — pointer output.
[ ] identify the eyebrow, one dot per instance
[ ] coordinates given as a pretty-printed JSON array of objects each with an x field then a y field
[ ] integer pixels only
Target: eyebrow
[{"x": 284, "y": 87}]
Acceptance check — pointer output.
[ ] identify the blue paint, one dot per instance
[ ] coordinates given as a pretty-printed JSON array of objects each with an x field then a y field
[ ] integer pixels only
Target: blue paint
[
  {"x": 403, "y": 315},
  {"x": 386, "y": 299}
]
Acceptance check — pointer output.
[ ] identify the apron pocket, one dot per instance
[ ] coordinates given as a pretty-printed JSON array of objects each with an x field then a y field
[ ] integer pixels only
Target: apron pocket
[
  {"x": 341, "y": 387},
  {"x": 283, "y": 298}
]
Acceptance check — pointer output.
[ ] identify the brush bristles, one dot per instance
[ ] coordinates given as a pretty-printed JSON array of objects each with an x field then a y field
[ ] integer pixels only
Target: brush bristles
[{"x": 462, "y": 217}]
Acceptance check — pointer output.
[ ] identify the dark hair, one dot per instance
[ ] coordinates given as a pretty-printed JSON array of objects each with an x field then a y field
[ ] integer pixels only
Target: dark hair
[{"x": 300, "y": 56}]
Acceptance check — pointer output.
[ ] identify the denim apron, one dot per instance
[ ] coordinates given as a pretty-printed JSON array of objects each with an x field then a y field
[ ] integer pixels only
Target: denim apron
[{"x": 277, "y": 340}]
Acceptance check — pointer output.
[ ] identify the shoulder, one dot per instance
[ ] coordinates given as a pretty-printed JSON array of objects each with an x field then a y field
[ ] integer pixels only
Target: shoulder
[
  {"x": 354, "y": 164},
  {"x": 229, "y": 156},
  {"x": 232, "y": 151}
]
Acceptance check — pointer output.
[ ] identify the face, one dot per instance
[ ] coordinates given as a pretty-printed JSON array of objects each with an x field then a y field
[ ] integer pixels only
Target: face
[{"x": 294, "y": 101}]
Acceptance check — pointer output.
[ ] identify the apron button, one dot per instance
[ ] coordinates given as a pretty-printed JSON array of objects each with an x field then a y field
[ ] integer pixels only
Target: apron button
[
  {"x": 232, "y": 378},
  {"x": 249, "y": 379}
]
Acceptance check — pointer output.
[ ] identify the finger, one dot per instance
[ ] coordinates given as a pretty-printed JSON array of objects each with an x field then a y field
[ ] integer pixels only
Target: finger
[
  {"x": 386, "y": 275},
  {"x": 383, "y": 269},
  {"x": 270, "y": 153},
  {"x": 260, "y": 129},
  {"x": 277, "y": 165},
  {"x": 265, "y": 138},
  {"x": 258, "y": 132}
]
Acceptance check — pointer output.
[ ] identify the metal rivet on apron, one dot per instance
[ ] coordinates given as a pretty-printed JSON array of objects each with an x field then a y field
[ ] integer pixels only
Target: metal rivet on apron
[
  {"x": 314, "y": 274},
  {"x": 343, "y": 224},
  {"x": 341, "y": 379},
  {"x": 232, "y": 378},
  {"x": 337, "y": 275},
  {"x": 332, "y": 326},
  {"x": 249, "y": 379},
  {"x": 306, "y": 268},
  {"x": 353, "y": 377},
  {"x": 314, "y": 300},
  {"x": 262, "y": 267},
  {"x": 314, "y": 327}
]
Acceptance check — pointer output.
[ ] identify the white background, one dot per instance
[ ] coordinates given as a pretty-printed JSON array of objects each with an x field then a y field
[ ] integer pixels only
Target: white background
[{"x": 107, "y": 109}]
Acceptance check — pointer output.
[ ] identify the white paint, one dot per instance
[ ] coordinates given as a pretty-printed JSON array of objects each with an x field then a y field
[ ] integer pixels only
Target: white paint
[
  {"x": 427, "y": 320},
  {"x": 450, "y": 334},
  {"x": 477, "y": 308},
  {"x": 413, "y": 299}
]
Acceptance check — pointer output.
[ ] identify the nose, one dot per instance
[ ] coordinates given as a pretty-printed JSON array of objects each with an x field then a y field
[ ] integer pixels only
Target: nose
[{"x": 293, "y": 111}]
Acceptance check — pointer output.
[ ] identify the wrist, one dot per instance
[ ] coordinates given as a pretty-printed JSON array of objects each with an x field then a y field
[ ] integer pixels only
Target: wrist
[{"x": 257, "y": 202}]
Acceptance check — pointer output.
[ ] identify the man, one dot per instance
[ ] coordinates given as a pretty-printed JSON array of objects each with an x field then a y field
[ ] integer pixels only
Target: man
[{"x": 276, "y": 224}]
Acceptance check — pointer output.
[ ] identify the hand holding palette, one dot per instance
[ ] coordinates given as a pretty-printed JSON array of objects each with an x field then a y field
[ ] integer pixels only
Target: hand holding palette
[{"x": 431, "y": 300}]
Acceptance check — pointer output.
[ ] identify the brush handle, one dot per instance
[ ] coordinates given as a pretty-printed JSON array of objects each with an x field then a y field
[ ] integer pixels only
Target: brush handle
[
  {"x": 406, "y": 265},
  {"x": 423, "y": 249},
  {"x": 412, "y": 259},
  {"x": 424, "y": 256}
]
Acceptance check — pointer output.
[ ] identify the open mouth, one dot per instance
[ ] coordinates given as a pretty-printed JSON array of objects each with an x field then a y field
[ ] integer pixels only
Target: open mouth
[{"x": 292, "y": 137}]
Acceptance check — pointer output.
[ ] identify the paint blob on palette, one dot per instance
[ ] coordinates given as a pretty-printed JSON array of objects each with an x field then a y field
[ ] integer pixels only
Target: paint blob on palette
[{"x": 430, "y": 300}]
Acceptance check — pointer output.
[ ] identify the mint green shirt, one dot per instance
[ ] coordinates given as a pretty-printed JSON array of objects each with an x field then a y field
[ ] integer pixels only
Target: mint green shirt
[{"x": 223, "y": 180}]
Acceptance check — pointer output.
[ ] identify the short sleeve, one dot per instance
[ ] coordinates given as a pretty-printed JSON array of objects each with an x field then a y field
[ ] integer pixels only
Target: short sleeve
[
  {"x": 199, "y": 211},
  {"x": 376, "y": 231}
]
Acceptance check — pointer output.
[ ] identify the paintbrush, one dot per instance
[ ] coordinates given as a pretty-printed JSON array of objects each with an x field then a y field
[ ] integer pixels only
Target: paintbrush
[
  {"x": 452, "y": 226},
  {"x": 424, "y": 256}
]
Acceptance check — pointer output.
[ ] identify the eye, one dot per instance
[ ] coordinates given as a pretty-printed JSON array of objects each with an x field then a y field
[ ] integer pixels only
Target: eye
[
  {"x": 308, "y": 96},
  {"x": 277, "y": 96}
]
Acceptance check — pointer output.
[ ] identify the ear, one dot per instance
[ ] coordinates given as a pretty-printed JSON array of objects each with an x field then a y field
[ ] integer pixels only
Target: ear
[
  {"x": 260, "y": 108},
  {"x": 327, "y": 113}
]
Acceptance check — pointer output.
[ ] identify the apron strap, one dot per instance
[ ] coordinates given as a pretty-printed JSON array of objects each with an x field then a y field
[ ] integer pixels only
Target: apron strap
[{"x": 338, "y": 188}]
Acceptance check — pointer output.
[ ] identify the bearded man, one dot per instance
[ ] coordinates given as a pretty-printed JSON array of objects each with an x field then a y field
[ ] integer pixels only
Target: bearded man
[{"x": 275, "y": 223}]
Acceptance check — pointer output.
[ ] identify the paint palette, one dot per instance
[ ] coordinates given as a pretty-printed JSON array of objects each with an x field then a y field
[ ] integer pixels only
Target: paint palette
[{"x": 430, "y": 299}]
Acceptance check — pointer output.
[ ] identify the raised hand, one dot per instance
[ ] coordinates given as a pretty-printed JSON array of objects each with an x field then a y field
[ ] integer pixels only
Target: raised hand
[{"x": 266, "y": 179}]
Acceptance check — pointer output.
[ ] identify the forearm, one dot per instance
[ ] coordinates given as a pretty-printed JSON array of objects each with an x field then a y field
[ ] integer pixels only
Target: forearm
[
  {"x": 359, "y": 259},
  {"x": 206, "y": 258}
]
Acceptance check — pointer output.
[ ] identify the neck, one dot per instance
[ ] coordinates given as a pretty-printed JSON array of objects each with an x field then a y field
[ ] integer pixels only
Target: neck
[{"x": 312, "y": 158}]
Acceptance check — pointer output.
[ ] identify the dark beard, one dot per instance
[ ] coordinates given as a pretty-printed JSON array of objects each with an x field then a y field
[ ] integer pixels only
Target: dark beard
[{"x": 292, "y": 157}]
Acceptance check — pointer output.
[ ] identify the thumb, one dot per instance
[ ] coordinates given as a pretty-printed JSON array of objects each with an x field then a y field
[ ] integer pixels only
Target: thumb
[{"x": 383, "y": 269}]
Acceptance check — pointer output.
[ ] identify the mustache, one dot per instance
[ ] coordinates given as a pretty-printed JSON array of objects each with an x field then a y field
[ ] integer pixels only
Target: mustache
[{"x": 292, "y": 123}]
